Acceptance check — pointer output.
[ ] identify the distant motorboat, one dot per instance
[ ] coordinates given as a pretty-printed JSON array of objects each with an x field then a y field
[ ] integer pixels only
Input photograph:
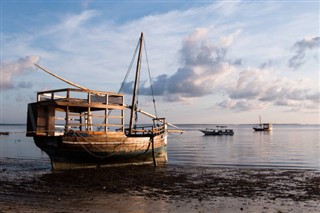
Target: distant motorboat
[
  {"x": 263, "y": 126},
  {"x": 220, "y": 130},
  {"x": 4, "y": 133}
]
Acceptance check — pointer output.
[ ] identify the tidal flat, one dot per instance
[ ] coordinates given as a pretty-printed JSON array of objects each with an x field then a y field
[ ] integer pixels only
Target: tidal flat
[{"x": 31, "y": 186}]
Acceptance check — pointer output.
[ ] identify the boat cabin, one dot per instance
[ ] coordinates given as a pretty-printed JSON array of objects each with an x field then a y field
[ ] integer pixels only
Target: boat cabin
[{"x": 59, "y": 111}]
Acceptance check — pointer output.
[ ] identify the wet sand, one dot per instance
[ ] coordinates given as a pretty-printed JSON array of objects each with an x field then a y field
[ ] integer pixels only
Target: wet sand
[{"x": 30, "y": 186}]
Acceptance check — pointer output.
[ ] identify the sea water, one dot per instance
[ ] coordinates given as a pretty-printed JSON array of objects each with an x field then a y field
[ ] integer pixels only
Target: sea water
[{"x": 287, "y": 146}]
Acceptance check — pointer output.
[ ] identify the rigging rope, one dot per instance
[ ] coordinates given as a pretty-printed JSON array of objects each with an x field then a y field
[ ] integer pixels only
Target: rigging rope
[
  {"x": 128, "y": 71},
  {"x": 129, "y": 68},
  {"x": 138, "y": 94},
  {"x": 150, "y": 79},
  {"x": 151, "y": 87}
]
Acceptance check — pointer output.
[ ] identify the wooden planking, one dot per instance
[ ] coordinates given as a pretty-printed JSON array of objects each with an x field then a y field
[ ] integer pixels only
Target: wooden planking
[
  {"x": 31, "y": 119},
  {"x": 91, "y": 105}
]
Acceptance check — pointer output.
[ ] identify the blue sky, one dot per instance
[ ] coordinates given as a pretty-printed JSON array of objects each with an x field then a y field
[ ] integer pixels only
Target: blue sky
[{"x": 211, "y": 61}]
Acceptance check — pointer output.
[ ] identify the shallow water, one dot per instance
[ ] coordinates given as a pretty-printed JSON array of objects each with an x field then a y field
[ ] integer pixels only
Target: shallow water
[{"x": 287, "y": 146}]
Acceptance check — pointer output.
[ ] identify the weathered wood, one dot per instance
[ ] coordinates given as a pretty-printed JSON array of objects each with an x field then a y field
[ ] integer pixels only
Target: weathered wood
[
  {"x": 31, "y": 119},
  {"x": 136, "y": 82},
  {"x": 51, "y": 121},
  {"x": 62, "y": 79},
  {"x": 91, "y": 105},
  {"x": 175, "y": 131}
]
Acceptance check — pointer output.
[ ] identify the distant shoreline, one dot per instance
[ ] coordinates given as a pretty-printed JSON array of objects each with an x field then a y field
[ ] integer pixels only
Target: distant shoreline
[
  {"x": 293, "y": 124},
  {"x": 12, "y": 124},
  {"x": 250, "y": 124}
]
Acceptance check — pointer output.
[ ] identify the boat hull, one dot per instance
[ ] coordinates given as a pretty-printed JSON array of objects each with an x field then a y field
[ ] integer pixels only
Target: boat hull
[
  {"x": 261, "y": 130},
  {"x": 263, "y": 127},
  {"x": 216, "y": 133},
  {"x": 94, "y": 153}
]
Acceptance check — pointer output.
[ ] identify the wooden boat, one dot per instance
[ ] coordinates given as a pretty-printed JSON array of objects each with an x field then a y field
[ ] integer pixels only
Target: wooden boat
[
  {"x": 262, "y": 126},
  {"x": 81, "y": 128},
  {"x": 220, "y": 130}
]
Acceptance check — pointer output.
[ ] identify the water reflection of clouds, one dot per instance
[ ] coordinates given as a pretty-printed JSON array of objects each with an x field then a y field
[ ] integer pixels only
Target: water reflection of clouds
[{"x": 279, "y": 148}]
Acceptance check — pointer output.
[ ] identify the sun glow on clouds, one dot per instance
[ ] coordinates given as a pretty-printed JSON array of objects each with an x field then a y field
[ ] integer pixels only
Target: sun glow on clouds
[
  {"x": 205, "y": 70},
  {"x": 217, "y": 50}
]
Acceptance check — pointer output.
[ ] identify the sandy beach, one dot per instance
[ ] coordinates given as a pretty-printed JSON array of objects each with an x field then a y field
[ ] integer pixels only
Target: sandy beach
[{"x": 30, "y": 186}]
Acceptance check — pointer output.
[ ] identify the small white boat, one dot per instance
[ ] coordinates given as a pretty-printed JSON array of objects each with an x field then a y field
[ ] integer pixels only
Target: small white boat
[{"x": 220, "y": 130}]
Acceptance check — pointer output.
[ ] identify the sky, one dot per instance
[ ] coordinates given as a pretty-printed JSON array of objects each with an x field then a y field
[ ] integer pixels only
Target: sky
[{"x": 211, "y": 62}]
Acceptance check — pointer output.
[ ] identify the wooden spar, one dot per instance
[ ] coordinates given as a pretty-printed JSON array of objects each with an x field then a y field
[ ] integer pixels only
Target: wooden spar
[
  {"x": 62, "y": 79},
  {"x": 151, "y": 116},
  {"x": 134, "y": 96},
  {"x": 177, "y": 130}
]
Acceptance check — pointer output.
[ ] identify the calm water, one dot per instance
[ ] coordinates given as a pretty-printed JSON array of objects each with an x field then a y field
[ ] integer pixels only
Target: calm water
[{"x": 287, "y": 146}]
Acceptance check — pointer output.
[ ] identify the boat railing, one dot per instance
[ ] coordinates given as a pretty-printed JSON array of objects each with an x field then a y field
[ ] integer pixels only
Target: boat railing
[
  {"x": 221, "y": 127},
  {"x": 61, "y": 110},
  {"x": 148, "y": 130},
  {"x": 96, "y": 121},
  {"x": 58, "y": 111},
  {"x": 78, "y": 95}
]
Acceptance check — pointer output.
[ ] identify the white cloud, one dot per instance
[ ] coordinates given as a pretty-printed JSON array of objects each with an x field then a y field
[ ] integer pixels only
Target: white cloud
[
  {"x": 228, "y": 40},
  {"x": 11, "y": 70},
  {"x": 86, "y": 3},
  {"x": 240, "y": 105},
  {"x": 264, "y": 88},
  {"x": 204, "y": 68}
]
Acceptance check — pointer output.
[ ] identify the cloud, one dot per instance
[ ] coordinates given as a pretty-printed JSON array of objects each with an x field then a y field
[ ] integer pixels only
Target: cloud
[
  {"x": 85, "y": 4},
  {"x": 10, "y": 70},
  {"x": 228, "y": 40},
  {"x": 250, "y": 84},
  {"x": 301, "y": 47},
  {"x": 241, "y": 105},
  {"x": 226, "y": 60},
  {"x": 74, "y": 21},
  {"x": 260, "y": 88},
  {"x": 204, "y": 68},
  {"x": 266, "y": 64}
]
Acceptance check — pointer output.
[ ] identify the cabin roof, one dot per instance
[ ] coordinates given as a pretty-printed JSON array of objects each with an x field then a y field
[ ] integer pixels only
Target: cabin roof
[{"x": 80, "y": 90}]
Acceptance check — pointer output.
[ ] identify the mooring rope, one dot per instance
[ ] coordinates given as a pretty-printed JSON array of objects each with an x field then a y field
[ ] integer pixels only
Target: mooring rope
[
  {"x": 91, "y": 153},
  {"x": 106, "y": 156},
  {"x": 153, "y": 154}
]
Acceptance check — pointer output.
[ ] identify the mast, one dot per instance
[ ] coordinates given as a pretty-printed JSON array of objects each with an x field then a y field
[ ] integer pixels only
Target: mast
[
  {"x": 135, "y": 89},
  {"x": 260, "y": 120}
]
